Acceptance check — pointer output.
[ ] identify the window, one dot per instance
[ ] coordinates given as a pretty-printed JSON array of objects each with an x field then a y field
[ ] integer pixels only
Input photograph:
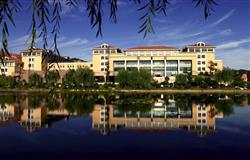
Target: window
[
  {"x": 199, "y": 56},
  {"x": 203, "y": 56},
  {"x": 199, "y": 62},
  {"x": 191, "y": 49},
  {"x": 203, "y": 62},
  {"x": 91, "y": 65},
  {"x": 102, "y": 57},
  {"x": 204, "y": 114},
  {"x": 199, "y": 68},
  {"x": 199, "y": 114},
  {"x": 102, "y": 63},
  {"x": 203, "y": 121},
  {"x": 101, "y": 51},
  {"x": 203, "y": 68},
  {"x": 95, "y": 51}
]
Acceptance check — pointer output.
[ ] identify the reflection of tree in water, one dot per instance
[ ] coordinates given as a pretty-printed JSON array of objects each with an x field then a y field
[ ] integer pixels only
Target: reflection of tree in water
[
  {"x": 183, "y": 102},
  {"x": 9, "y": 99},
  {"x": 225, "y": 106},
  {"x": 82, "y": 104},
  {"x": 52, "y": 101},
  {"x": 34, "y": 101},
  {"x": 134, "y": 103}
]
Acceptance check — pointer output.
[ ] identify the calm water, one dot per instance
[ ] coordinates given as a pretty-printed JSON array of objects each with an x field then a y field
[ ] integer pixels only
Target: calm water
[{"x": 126, "y": 126}]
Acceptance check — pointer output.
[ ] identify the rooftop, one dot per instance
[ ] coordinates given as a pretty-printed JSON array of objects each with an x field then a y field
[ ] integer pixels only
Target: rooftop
[
  {"x": 151, "y": 48},
  {"x": 105, "y": 46},
  {"x": 201, "y": 44},
  {"x": 12, "y": 56}
]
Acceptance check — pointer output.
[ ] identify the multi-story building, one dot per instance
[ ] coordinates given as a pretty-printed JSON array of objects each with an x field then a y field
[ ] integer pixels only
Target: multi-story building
[
  {"x": 205, "y": 57},
  {"x": 38, "y": 60},
  {"x": 12, "y": 65},
  {"x": 161, "y": 61},
  {"x": 101, "y": 61}
]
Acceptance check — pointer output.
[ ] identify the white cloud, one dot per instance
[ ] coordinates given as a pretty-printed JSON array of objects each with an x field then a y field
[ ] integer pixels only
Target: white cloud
[
  {"x": 229, "y": 14},
  {"x": 238, "y": 58},
  {"x": 73, "y": 42},
  {"x": 121, "y": 3},
  {"x": 20, "y": 41},
  {"x": 226, "y": 32},
  {"x": 233, "y": 44}
]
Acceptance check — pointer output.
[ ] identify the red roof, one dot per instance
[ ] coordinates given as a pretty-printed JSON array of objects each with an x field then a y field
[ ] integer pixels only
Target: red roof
[
  {"x": 12, "y": 56},
  {"x": 152, "y": 48}
]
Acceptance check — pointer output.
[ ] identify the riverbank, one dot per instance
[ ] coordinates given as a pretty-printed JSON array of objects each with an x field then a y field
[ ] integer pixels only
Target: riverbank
[{"x": 247, "y": 91}]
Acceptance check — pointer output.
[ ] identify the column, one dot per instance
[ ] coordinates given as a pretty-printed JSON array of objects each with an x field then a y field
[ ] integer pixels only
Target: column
[
  {"x": 165, "y": 65},
  {"x": 138, "y": 63},
  {"x": 178, "y": 65},
  {"x": 125, "y": 64}
]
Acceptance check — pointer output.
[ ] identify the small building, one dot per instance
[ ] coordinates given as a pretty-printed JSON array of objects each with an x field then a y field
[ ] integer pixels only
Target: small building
[{"x": 11, "y": 65}]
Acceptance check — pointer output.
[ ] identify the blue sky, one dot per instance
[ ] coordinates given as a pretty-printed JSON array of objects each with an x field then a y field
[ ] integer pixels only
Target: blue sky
[{"x": 228, "y": 28}]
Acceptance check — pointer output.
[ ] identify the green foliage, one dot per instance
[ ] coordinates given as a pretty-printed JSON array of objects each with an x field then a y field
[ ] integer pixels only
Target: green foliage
[
  {"x": 52, "y": 77},
  {"x": 225, "y": 76},
  {"x": 225, "y": 106},
  {"x": 134, "y": 103},
  {"x": 134, "y": 79},
  {"x": 182, "y": 81},
  {"x": 68, "y": 79},
  {"x": 6, "y": 81},
  {"x": 46, "y": 12},
  {"x": 82, "y": 77},
  {"x": 35, "y": 80},
  {"x": 183, "y": 102},
  {"x": 34, "y": 101},
  {"x": 79, "y": 103}
]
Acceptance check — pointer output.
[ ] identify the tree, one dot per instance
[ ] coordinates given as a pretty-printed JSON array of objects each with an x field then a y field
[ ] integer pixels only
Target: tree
[
  {"x": 6, "y": 81},
  {"x": 52, "y": 77},
  {"x": 182, "y": 80},
  {"x": 68, "y": 78},
  {"x": 78, "y": 103},
  {"x": 134, "y": 79},
  {"x": 46, "y": 12},
  {"x": 212, "y": 67},
  {"x": 225, "y": 76},
  {"x": 84, "y": 77},
  {"x": 225, "y": 106},
  {"x": 35, "y": 80}
]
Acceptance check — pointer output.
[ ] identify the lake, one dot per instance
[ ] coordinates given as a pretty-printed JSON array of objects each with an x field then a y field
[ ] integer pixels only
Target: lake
[{"x": 124, "y": 126}]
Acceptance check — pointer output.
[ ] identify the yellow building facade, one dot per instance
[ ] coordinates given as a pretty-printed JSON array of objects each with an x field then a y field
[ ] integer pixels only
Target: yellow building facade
[
  {"x": 161, "y": 61},
  {"x": 12, "y": 65},
  {"x": 107, "y": 60}
]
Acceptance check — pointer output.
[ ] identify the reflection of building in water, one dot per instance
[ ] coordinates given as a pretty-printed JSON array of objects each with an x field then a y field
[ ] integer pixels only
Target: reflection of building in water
[
  {"x": 161, "y": 116},
  {"x": 7, "y": 113},
  {"x": 39, "y": 116}
]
